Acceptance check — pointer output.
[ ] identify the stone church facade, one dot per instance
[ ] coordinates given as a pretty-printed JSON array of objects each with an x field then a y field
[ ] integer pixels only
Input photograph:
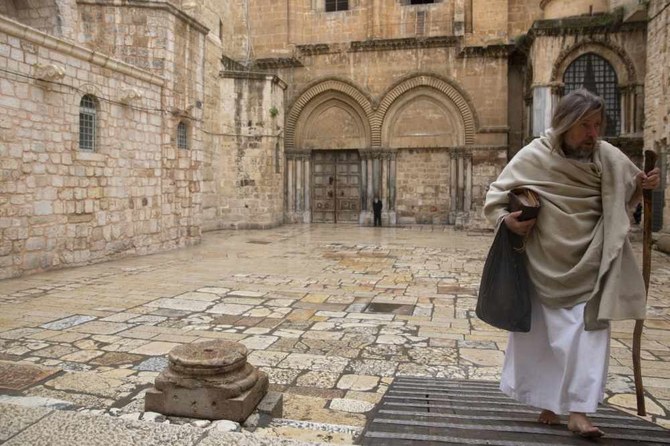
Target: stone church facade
[{"x": 130, "y": 127}]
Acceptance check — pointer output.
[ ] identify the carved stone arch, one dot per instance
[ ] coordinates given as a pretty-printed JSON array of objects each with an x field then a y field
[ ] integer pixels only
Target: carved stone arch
[
  {"x": 445, "y": 88},
  {"x": 422, "y": 117},
  {"x": 337, "y": 90},
  {"x": 616, "y": 56},
  {"x": 332, "y": 120},
  {"x": 93, "y": 90}
]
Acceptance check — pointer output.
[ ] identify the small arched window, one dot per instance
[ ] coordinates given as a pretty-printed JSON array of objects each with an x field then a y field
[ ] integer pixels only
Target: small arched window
[
  {"x": 182, "y": 135},
  {"x": 594, "y": 73},
  {"x": 88, "y": 121}
]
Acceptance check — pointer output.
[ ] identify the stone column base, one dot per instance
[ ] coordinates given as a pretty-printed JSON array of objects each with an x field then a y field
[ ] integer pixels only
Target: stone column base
[{"x": 206, "y": 402}]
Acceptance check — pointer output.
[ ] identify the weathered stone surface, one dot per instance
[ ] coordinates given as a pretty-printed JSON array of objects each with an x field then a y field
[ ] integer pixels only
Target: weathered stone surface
[
  {"x": 210, "y": 379},
  {"x": 16, "y": 377}
]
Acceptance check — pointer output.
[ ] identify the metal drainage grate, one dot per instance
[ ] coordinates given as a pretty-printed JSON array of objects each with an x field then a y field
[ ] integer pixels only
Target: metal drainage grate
[
  {"x": 378, "y": 307},
  {"x": 433, "y": 411}
]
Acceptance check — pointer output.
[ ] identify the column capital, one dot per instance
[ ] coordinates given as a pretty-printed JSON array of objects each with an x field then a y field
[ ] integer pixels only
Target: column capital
[{"x": 297, "y": 154}]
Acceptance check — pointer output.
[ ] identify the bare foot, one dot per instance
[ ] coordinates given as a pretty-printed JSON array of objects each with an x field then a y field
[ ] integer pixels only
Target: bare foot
[
  {"x": 548, "y": 417},
  {"x": 582, "y": 426}
]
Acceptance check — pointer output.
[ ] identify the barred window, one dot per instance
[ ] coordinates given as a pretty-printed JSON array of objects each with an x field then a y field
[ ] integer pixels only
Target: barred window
[
  {"x": 88, "y": 110},
  {"x": 182, "y": 135},
  {"x": 595, "y": 74},
  {"x": 337, "y": 5}
]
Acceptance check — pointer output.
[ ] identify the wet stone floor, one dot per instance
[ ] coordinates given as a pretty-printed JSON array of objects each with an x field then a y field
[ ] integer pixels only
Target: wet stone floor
[{"x": 332, "y": 313}]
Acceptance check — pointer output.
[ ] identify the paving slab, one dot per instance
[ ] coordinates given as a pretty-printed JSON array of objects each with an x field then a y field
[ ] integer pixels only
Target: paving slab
[
  {"x": 15, "y": 418},
  {"x": 15, "y": 377},
  {"x": 332, "y": 313}
]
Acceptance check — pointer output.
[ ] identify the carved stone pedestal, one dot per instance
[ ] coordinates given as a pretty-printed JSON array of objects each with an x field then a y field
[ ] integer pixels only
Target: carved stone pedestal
[{"x": 209, "y": 380}]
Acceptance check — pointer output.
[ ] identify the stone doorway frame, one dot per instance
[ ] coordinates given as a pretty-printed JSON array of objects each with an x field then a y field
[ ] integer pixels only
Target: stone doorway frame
[{"x": 378, "y": 160}]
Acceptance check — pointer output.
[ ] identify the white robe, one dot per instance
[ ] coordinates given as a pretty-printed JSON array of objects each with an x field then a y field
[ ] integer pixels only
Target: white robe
[{"x": 558, "y": 365}]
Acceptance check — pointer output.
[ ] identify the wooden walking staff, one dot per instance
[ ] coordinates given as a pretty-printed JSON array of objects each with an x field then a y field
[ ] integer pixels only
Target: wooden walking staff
[{"x": 649, "y": 163}]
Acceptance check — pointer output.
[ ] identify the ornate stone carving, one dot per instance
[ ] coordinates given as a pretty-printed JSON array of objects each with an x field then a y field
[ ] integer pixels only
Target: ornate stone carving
[
  {"x": 49, "y": 72},
  {"x": 129, "y": 95}
]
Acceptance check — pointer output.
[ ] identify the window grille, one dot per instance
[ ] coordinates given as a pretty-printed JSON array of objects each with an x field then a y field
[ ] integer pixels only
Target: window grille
[
  {"x": 337, "y": 5},
  {"x": 87, "y": 122},
  {"x": 420, "y": 23},
  {"x": 595, "y": 74},
  {"x": 182, "y": 141}
]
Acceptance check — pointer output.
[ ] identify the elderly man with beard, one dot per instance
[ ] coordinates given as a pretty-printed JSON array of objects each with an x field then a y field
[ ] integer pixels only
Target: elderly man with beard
[{"x": 579, "y": 259}]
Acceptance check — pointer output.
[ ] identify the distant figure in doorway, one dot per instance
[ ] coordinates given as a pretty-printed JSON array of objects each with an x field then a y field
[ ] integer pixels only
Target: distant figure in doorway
[{"x": 377, "y": 211}]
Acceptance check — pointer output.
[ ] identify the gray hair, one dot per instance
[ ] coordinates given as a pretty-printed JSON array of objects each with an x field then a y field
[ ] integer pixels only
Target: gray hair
[{"x": 570, "y": 109}]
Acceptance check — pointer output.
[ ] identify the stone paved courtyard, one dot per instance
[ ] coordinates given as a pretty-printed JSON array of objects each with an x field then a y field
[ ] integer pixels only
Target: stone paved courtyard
[{"x": 331, "y": 312}]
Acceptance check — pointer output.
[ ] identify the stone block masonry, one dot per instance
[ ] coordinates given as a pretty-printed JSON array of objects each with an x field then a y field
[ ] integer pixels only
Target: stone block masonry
[{"x": 60, "y": 205}]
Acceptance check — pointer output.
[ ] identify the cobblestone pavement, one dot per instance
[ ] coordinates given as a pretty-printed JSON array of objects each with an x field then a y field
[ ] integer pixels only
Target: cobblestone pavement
[{"x": 331, "y": 312}]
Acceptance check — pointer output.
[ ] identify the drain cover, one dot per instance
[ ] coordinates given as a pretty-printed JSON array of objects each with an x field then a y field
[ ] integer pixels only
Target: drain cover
[
  {"x": 377, "y": 307},
  {"x": 427, "y": 411}
]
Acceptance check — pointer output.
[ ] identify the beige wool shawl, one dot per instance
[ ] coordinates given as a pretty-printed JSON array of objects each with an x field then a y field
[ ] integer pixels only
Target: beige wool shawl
[{"x": 578, "y": 250}]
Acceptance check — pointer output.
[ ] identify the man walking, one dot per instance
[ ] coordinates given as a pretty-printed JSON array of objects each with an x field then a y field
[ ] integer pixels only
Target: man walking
[{"x": 579, "y": 259}]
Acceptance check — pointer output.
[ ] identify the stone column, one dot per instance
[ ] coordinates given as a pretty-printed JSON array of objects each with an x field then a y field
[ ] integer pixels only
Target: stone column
[
  {"x": 392, "y": 218},
  {"x": 364, "y": 182},
  {"x": 384, "y": 187},
  {"x": 307, "y": 213},
  {"x": 290, "y": 189},
  {"x": 542, "y": 107},
  {"x": 299, "y": 197},
  {"x": 467, "y": 201},
  {"x": 453, "y": 184},
  {"x": 392, "y": 179},
  {"x": 370, "y": 194},
  {"x": 376, "y": 176},
  {"x": 211, "y": 380},
  {"x": 461, "y": 185}
]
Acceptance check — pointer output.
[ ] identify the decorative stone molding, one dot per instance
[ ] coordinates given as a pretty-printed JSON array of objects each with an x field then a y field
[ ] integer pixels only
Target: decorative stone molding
[
  {"x": 50, "y": 72},
  {"x": 605, "y": 23},
  {"x": 274, "y": 63},
  {"x": 455, "y": 95},
  {"x": 129, "y": 95},
  {"x": 324, "y": 86},
  {"x": 404, "y": 43},
  {"x": 313, "y": 50},
  {"x": 500, "y": 51},
  {"x": 67, "y": 48},
  {"x": 165, "y": 5}
]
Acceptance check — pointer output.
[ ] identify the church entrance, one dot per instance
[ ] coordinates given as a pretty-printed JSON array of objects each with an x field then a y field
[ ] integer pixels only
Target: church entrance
[{"x": 336, "y": 186}]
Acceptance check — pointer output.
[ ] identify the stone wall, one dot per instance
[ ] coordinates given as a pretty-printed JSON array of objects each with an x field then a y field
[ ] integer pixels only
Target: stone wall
[
  {"x": 245, "y": 161},
  {"x": 277, "y": 27},
  {"x": 554, "y": 9},
  {"x": 522, "y": 14},
  {"x": 422, "y": 184},
  {"x": 54, "y": 17},
  {"x": 657, "y": 94},
  {"x": 62, "y": 206}
]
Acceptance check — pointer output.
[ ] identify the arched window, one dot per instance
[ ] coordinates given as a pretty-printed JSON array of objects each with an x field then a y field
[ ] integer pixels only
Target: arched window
[
  {"x": 182, "y": 135},
  {"x": 594, "y": 73},
  {"x": 88, "y": 109}
]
